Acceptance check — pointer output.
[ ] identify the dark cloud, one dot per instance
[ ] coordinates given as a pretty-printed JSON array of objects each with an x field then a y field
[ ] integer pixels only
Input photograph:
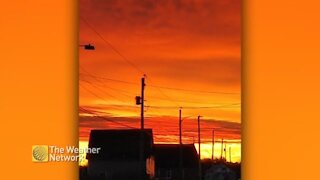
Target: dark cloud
[
  {"x": 189, "y": 44},
  {"x": 180, "y": 38},
  {"x": 200, "y": 18},
  {"x": 164, "y": 128}
]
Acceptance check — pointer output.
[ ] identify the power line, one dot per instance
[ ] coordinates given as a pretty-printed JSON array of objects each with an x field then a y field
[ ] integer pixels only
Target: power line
[
  {"x": 114, "y": 89},
  {"x": 137, "y": 68},
  {"x": 129, "y": 94},
  {"x": 195, "y": 107},
  {"x": 163, "y": 107},
  {"x": 112, "y": 47},
  {"x": 132, "y": 127},
  {"x": 101, "y": 98},
  {"x": 169, "y": 98},
  {"x": 177, "y": 100},
  {"x": 121, "y": 91},
  {"x": 219, "y": 129},
  {"x": 109, "y": 79},
  {"x": 104, "y": 118},
  {"x": 225, "y": 142},
  {"x": 163, "y": 87},
  {"x": 190, "y": 90},
  {"x": 159, "y": 88},
  {"x": 98, "y": 96},
  {"x": 124, "y": 93}
]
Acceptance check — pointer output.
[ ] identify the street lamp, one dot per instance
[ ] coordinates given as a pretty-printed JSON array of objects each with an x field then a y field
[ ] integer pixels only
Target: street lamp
[{"x": 87, "y": 46}]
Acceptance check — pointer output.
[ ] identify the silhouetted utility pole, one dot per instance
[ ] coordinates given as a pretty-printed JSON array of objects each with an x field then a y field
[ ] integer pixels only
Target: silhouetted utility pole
[
  {"x": 199, "y": 141},
  {"x": 212, "y": 155},
  {"x": 180, "y": 127},
  {"x": 142, "y": 102},
  {"x": 180, "y": 147},
  {"x": 225, "y": 151},
  {"x": 199, "y": 136},
  {"x": 230, "y": 153},
  {"x": 221, "y": 149}
]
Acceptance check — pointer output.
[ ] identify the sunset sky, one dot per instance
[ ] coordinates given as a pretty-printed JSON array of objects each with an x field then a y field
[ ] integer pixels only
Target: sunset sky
[{"x": 190, "y": 53}]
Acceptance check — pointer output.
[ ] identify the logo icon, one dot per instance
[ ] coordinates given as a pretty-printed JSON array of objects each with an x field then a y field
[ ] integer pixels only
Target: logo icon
[{"x": 40, "y": 153}]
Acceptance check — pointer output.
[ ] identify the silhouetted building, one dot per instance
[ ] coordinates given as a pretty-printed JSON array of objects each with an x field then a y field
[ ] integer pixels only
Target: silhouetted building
[
  {"x": 167, "y": 162},
  {"x": 125, "y": 154}
]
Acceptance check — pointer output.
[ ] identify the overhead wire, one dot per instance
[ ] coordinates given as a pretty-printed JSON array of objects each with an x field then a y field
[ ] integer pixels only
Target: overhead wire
[
  {"x": 114, "y": 89},
  {"x": 111, "y": 46},
  {"x": 121, "y": 55},
  {"x": 159, "y": 88},
  {"x": 104, "y": 118},
  {"x": 196, "y": 107},
  {"x": 165, "y": 87},
  {"x": 98, "y": 96}
]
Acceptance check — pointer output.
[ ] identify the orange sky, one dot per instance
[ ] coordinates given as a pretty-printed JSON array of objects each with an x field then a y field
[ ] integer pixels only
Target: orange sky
[{"x": 193, "y": 45}]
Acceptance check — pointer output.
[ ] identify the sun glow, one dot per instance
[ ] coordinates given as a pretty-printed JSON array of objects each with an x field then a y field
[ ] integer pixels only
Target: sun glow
[
  {"x": 197, "y": 68},
  {"x": 206, "y": 152},
  {"x": 82, "y": 160}
]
